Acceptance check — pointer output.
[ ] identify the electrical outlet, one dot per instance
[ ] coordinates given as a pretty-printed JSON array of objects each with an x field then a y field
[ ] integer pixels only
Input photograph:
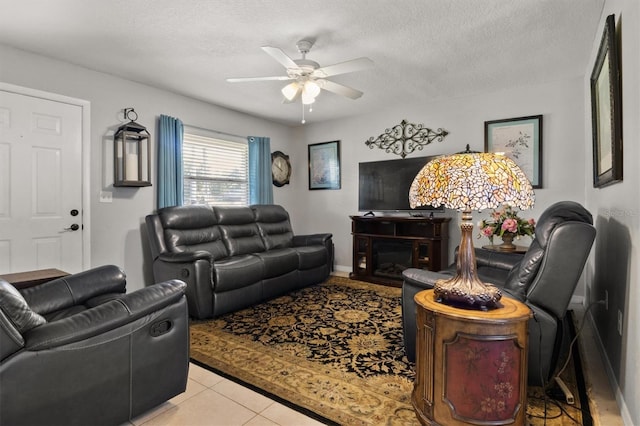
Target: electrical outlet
[
  {"x": 106, "y": 196},
  {"x": 619, "y": 322},
  {"x": 606, "y": 300}
]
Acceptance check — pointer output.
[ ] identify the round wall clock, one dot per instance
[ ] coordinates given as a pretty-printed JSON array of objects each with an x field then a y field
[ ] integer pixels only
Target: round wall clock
[{"x": 280, "y": 168}]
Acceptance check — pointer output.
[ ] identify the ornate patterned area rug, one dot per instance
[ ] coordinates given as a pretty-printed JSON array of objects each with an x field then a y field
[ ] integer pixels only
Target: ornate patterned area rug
[{"x": 332, "y": 351}]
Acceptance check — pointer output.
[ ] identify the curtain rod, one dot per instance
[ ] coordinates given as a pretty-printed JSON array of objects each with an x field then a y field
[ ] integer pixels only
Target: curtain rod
[{"x": 216, "y": 131}]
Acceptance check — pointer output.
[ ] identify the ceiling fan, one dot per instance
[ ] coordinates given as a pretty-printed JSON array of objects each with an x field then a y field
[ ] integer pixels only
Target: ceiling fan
[{"x": 307, "y": 75}]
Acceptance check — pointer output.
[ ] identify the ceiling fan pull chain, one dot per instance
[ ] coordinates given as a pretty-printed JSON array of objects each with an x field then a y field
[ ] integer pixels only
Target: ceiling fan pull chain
[{"x": 303, "y": 120}]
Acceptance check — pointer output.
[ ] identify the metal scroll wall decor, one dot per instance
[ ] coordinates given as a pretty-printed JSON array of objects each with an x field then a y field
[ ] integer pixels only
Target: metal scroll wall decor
[{"x": 404, "y": 138}]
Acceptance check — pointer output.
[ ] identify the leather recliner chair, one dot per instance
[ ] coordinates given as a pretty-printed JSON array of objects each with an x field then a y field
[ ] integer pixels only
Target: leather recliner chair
[
  {"x": 544, "y": 279},
  {"x": 78, "y": 350}
]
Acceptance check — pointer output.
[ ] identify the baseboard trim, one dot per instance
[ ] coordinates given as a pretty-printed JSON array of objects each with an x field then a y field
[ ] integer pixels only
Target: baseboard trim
[
  {"x": 341, "y": 268},
  {"x": 624, "y": 410}
]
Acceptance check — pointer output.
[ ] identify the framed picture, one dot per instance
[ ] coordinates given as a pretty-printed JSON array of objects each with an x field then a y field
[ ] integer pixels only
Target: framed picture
[
  {"x": 606, "y": 110},
  {"x": 324, "y": 165},
  {"x": 520, "y": 139}
]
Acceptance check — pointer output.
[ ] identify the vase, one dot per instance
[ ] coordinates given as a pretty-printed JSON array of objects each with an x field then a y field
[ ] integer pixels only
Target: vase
[{"x": 507, "y": 243}]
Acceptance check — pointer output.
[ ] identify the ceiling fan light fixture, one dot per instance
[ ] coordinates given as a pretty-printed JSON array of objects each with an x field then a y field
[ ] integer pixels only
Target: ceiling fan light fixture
[
  {"x": 308, "y": 77},
  {"x": 311, "y": 88},
  {"x": 290, "y": 90},
  {"x": 307, "y": 99}
]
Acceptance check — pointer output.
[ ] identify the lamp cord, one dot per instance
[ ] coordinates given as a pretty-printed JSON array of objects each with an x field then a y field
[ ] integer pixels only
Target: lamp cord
[
  {"x": 584, "y": 321},
  {"x": 564, "y": 366}
]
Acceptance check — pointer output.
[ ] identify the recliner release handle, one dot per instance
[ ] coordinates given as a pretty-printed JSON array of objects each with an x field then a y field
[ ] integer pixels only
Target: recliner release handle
[{"x": 159, "y": 328}]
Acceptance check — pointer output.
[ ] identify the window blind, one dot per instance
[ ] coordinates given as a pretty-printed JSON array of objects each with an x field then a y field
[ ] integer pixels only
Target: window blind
[{"x": 216, "y": 171}]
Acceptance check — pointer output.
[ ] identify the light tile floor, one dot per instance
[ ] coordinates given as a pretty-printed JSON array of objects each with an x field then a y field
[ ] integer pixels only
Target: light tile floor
[{"x": 213, "y": 400}]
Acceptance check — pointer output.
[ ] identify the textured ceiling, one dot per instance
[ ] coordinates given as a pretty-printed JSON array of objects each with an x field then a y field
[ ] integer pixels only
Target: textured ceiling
[{"x": 422, "y": 49}]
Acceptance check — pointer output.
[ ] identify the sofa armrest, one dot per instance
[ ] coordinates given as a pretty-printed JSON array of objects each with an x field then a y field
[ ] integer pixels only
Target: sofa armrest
[
  {"x": 421, "y": 278},
  {"x": 414, "y": 281},
  {"x": 311, "y": 239},
  {"x": 196, "y": 270},
  {"x": 105, "y": 317},
  {"x": 75, "y": 289},
  {"x": 496, "y": 259},
  {"x": 324, "y": 239},
  {"x": 185, "y": 256}
]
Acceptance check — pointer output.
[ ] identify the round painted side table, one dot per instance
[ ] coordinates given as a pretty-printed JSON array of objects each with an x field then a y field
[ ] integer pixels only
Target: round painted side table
[{"x": 471, "y": 365}]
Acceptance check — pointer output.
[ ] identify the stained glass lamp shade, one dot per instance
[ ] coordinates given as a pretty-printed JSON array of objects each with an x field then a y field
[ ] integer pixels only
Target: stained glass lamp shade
[{"x": 470, "y": 181}]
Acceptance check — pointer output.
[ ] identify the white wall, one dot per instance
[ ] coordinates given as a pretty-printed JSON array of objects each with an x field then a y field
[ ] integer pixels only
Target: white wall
[
  {"x": 562, "y": 107},
  {"x": 117, "y": 233},
  {"x": 614, "y": 266}
]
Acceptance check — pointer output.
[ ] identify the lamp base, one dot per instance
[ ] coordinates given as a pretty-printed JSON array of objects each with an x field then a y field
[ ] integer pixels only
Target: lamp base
[
  {"x": 470, "y": 293},
  {"x": 465, "y": 288}
]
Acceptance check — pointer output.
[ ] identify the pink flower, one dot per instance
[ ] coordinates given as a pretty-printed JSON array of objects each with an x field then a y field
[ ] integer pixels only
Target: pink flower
[
  {"x": 487, "y": 231},
  {"x": 510, "y": 225},
  {"x": 506, "y": 221}
]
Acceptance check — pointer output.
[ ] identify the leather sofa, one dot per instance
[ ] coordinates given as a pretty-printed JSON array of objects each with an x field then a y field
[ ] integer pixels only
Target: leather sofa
[
  {"x": 79, "y": 350},
  {"x": 544, "y": 278},
  {"x": 234, "y": 257}
]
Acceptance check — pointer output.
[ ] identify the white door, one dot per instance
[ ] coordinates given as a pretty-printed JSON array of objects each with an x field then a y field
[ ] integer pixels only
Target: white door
[{"x": 40, "y": 184}]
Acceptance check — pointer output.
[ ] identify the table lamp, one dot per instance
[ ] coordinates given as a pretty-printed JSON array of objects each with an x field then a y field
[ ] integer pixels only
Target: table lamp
[{"x": 469, "y": 181}]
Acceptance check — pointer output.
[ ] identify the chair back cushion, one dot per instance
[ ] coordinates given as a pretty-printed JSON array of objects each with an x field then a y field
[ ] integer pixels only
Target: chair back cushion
[
  {"x": 192, "y": 228},
  {"x": 239, "y": 230},
  {"x": 551, "y": 267},
  {"x": 16, "y": 309},
  {"x": 274, "y": 225}
]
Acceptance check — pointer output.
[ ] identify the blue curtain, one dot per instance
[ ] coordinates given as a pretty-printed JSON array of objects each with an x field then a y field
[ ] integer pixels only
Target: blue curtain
[
  {"x": 170, "y": 173},
  {"x": 260, "y": 188}
]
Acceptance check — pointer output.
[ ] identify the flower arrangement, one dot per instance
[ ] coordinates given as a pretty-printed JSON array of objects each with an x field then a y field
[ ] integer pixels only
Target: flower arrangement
[{"x": 505, "y": 222}]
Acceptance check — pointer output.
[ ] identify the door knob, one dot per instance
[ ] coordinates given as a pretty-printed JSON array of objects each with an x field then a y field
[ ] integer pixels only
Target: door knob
[{"x": 73, "y": 227}]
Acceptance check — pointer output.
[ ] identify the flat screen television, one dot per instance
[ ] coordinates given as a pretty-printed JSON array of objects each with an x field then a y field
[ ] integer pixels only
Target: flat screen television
[{"x": 384, "y": 185}]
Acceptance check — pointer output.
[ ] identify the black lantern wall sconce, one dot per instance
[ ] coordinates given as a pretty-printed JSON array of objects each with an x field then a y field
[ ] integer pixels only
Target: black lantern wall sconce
[{"x": 131, "y": 153}]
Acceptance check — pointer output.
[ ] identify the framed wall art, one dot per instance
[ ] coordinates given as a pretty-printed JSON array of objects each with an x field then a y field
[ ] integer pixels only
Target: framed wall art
[
  {"x": 324, "y": 165},
  {"x": 521, "y": 139},
  {"x": 606, "y": 110}
]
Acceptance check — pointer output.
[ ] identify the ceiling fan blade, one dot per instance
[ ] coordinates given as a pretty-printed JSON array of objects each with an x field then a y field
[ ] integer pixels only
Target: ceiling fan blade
[
  {"x": 280, "y": 56},
  {"x": 246, "y": 79},
  {"x": 343, "y": 67},
  {"x": 340, "y": 89}
]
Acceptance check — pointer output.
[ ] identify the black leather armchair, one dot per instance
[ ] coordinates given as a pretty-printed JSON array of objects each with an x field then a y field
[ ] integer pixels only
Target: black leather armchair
[
  {"x": 544, "y": 278},
  {"x": 79, "y": 351}
]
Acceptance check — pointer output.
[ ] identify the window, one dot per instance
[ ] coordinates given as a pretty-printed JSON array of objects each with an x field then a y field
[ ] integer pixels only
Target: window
[{"x": 216, "y": 171}]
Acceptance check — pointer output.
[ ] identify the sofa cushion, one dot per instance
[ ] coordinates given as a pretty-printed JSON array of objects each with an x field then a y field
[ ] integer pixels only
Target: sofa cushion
[
  {"x": 278, "y": 262},
  {"x": 192, "y": 228},
  {"x": 188, "y": 217},
  {"x": 16, "y": 309},
  {"x": 311, "y": 256},
  {"x": 274, "y": 225},
  {"x": 237, "y": 272},
  {"x": 239, "y": 230}
]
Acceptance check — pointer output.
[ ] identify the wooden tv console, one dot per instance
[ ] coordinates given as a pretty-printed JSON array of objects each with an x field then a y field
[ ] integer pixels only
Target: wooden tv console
[{"x": 383, "y": 246}]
